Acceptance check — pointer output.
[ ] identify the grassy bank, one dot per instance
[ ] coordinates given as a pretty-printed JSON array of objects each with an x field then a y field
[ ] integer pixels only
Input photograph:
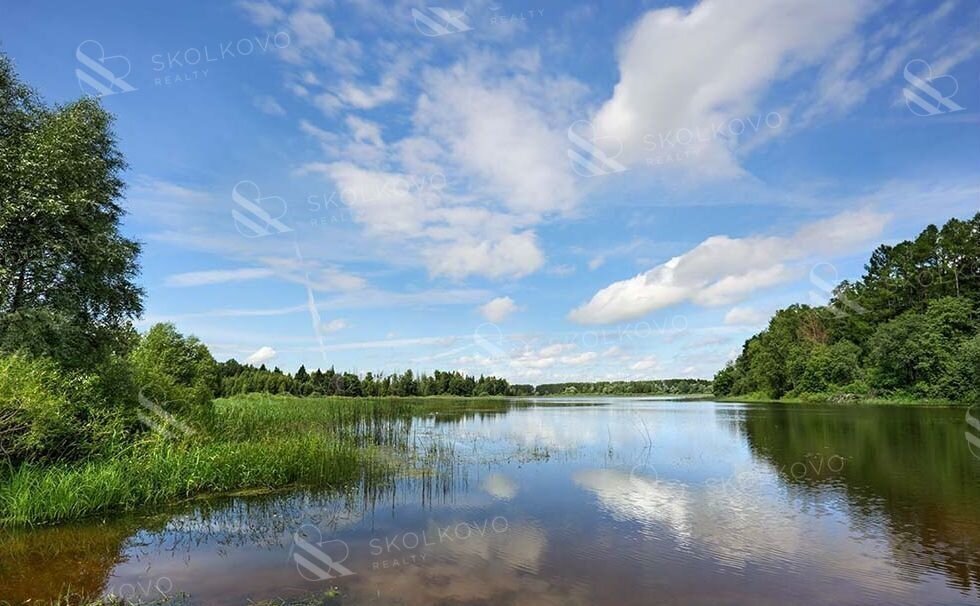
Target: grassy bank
[
  {"x": 844, "y": 399},
  {"x": 248, "y": 442}
]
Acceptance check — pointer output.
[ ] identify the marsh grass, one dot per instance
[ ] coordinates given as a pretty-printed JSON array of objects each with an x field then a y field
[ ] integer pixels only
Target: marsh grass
[{"x": 248, "y": 442}]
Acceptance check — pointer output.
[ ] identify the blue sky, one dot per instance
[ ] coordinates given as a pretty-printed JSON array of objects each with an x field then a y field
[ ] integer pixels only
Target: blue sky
[{"x": 544, "y": 191}]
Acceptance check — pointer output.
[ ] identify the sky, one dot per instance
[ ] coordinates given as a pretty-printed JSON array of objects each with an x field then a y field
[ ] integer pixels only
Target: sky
[{"x": 543, "y": 191}]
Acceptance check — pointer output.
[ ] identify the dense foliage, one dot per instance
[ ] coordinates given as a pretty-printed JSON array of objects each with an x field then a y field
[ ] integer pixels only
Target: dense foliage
[
  {"x": 67, "y": 287},
  {"x": 907, "y": 329},
  {"x": 235, "y": 378},
  {"x": 73, "y": 370},
  {"x": 656, "y": 387}
]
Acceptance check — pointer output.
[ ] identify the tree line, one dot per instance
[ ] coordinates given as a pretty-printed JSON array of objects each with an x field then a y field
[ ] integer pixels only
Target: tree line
[
  {"x": 654, "y": 387},
  {"x": 908, "y": 329},
  {"x": 235, "y": 378}
]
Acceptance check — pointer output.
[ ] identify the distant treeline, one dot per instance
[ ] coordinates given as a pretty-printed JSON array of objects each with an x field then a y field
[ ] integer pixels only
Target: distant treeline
[
  {"x": 908, "y": 329},
  {"x": 658, "y": 387},
  {"x": 235, "y": 378}
]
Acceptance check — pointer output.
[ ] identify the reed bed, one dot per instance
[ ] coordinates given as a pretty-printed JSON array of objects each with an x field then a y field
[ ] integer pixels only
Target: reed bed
[{"x": 248, "y": 442}]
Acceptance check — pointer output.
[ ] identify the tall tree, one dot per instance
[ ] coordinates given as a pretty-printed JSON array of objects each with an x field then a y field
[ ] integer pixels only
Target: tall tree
[{"x": 67, "y": 275}]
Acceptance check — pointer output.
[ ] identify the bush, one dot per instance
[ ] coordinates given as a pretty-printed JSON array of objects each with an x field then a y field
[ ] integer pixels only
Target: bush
[
  {"x": 175, "y": 372},
  {"x": 48, "y": 414}
]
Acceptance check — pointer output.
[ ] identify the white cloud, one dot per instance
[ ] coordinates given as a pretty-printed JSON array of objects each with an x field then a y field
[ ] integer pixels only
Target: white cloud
[
  {"x": 647, "y": 363},
  {"x": 262, "y": 13},
  {"x": 745, "y": 316},
  {"x": 498, "y": 309},
  {"x": 514, "y": 255},
  {"x": 261, "y": 356},
  {"x": 579, "y": 359},
  {"x": 334, "y": 325},
  {"x": 365, "y": 131},
  {"x": 712, "y": 64},
  {"x": 269, "y": 106},
  {"x": 723, "y": 270},
  {"x": 500, "y": 486},
  {"x": 217, "y": 276},
  {"x": 496, "y": 131}
]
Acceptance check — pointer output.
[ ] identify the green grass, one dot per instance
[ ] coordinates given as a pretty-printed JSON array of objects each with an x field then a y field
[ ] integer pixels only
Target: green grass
[
  {"x": 249, "y": 442},
  {"x": 828, "y": 398}
]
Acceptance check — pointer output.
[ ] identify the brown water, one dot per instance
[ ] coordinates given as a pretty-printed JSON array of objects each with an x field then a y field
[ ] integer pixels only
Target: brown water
[{"x": 624, "y": 501}]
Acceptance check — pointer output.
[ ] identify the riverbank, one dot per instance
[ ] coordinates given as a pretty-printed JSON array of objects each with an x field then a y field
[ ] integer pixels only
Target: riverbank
[
  {"x": 842, "y": 399},
  {"x": 249, "y": 442}
]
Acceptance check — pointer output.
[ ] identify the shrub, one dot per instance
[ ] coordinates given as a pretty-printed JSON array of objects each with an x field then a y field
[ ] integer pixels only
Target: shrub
[
  {"x": 175, "y": 372},
  {"x": 48, "y": 414}
]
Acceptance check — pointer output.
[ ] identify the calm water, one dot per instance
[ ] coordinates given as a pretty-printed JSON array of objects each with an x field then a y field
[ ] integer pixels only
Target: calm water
[{"x": 621, "y": 501}]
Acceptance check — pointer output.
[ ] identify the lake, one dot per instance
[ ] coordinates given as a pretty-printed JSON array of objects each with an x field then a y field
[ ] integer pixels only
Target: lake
[{"x": 603, "y": 501}]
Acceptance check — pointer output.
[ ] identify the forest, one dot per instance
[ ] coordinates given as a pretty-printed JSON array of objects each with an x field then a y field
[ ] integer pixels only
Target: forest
[
  {"x": 908, "y": 329},
  {"x": 234, "y": 378}
]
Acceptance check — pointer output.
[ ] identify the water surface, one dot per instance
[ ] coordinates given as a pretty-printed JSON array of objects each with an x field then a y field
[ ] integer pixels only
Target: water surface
[{"x": 613, "y": 501}]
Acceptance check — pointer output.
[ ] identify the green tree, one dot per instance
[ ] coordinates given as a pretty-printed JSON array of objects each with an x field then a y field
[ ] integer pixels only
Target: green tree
[
  {"x": 67, "y": 275},
  {"x": 175, "y": 371}
]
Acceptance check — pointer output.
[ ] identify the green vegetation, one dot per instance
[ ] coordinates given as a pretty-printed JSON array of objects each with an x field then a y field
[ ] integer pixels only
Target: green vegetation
[
  {"x": 235, "y": 378},
  {"x": 246, "y": 442},
  {"x": 907, "y": 331},
  {"x": 634, "y": 388}
]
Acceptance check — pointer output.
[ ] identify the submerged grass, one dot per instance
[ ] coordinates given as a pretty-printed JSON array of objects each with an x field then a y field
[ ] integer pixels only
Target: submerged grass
[{"x": 248, "y": 442}]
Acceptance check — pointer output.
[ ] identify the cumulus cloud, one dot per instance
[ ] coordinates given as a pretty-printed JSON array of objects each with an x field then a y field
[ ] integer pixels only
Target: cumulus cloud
[
  {"x": 261, "y": 356},
  {"x": 724, "y": 270},
  {"x": 498, "y": 309},
  {"x": 678, "y": 71}
]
